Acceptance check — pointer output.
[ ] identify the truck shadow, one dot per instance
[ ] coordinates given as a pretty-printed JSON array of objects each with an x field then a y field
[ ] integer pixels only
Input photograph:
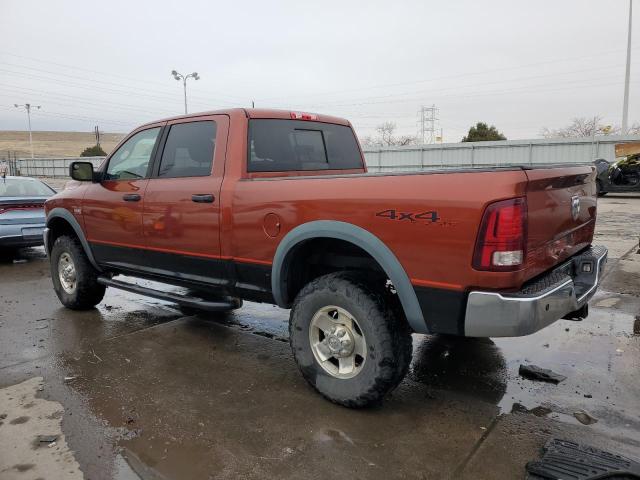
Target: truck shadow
[
  {"x": 469, "y": 366},
  {"x": 20, "y": 255}
]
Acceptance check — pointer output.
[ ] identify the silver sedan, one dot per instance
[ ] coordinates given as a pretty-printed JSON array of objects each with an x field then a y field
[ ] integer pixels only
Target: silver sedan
[{"x": 22, "y": 218}]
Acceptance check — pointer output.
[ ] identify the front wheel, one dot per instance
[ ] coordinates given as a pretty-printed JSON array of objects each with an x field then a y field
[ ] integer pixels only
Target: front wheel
[
  {"x": 75, "y": 281},
  {"x": 348, "y": 341}
]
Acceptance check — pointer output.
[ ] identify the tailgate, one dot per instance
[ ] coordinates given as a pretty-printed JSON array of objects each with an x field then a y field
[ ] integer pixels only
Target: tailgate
[{"x": 561, "y": 203}]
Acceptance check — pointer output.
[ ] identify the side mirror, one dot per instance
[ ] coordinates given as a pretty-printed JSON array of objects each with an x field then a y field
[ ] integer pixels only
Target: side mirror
[{"x": 81, "y": 171}]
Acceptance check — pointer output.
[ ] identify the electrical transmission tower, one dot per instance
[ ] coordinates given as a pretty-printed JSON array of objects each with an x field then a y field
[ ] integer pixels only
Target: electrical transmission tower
[{"x": 427, "y": 117}]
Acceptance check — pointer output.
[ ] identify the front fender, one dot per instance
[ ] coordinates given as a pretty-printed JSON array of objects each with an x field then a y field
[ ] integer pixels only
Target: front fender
[{"x": 61, "y": 213}]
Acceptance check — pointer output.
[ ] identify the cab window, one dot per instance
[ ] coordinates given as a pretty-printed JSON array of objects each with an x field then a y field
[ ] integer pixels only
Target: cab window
[
  {"x": 295, "y": 145},
  {"x": 131, "y": 160},
  {"x": 188, "y": 151}
]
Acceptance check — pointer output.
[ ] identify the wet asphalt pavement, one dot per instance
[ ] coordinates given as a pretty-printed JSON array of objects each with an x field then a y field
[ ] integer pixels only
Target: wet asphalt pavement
[{"x": 133, "y": 389}]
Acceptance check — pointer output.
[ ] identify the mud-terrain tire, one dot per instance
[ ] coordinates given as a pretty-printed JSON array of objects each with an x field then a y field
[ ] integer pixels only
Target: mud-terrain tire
[
  {"x": 79, "y": 289},
  {"x": 350, "y": 299}
]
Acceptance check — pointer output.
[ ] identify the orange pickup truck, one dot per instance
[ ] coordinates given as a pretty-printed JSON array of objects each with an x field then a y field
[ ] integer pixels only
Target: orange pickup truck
[{"x": 278, "y": 207}]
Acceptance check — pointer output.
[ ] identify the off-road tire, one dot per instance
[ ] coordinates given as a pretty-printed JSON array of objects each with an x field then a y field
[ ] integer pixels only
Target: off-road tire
[
  {"x": 387, "y": 335},
  {"x": 88, "y": 292}
]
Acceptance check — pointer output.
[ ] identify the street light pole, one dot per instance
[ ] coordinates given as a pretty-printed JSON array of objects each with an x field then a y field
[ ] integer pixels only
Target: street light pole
[
  {"x": 625, "y": 104},
  {"x": 28, "y": 107},
  {"x": 179, "y": 76}
]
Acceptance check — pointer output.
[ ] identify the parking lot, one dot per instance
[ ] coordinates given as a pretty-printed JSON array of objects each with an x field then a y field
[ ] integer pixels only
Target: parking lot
[{"x": 134, "y": 389}]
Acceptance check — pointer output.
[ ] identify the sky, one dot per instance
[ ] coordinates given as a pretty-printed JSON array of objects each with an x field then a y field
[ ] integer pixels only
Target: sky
[{"x": 518, "y": 65}]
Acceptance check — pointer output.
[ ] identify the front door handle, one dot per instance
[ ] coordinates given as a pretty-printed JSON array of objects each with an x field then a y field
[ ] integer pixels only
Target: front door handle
[
  {"x": 131, "y": 197},
  {"x": 202, "y": 198}
]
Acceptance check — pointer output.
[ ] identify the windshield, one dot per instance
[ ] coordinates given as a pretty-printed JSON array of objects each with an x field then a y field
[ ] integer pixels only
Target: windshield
[{"x": 24, "y": 187}]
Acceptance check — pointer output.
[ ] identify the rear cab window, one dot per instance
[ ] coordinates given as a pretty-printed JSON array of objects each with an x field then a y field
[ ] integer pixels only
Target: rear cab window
[{"x": 299, "y": 145}]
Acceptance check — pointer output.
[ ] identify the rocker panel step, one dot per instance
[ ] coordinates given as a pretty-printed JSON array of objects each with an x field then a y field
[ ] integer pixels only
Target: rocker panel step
[{"x": 187, "y": 301}]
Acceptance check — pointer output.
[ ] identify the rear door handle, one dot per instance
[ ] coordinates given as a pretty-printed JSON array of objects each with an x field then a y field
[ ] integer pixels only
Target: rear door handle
[
  {"x": 131, "y": 197},
  {"x": 202, "y": 198}
]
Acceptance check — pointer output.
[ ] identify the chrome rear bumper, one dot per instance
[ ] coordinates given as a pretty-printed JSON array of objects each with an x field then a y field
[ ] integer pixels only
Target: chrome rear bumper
[{"x": 557, "y": 294}]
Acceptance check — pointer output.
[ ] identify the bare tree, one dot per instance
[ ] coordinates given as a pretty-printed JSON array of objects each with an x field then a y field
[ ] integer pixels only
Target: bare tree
[
  {"x": 407, "y": 140},
  {"x": 385, "y": 137},
  {"x": 385, "y": 133},
  {"x": 581, "y": 127},
  {"x": 634, "y": 129}
]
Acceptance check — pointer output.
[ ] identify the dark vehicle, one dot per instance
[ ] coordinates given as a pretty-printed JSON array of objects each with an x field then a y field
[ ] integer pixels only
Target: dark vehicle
[
  {"x": 22, "y": 217},
  {"x": 621, "y": 176}
]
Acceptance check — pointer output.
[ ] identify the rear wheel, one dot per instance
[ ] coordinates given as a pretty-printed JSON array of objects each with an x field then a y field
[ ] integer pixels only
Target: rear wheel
[
  {"x": 348, "y": 339},
  {"x": 75, "y": 280}
]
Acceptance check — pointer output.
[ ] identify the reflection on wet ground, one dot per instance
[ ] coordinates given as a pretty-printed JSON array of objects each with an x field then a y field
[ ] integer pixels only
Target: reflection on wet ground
[
  {"x": 471, "y": 366},
  {"x": 149, "y": 390}
]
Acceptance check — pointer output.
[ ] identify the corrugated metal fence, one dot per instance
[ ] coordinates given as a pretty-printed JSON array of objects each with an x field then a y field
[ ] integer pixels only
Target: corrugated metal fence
[
  {"x": 51, "y": 167},
  {"x": 489, "y": 154},
  {"x": 418, "y": 157}
]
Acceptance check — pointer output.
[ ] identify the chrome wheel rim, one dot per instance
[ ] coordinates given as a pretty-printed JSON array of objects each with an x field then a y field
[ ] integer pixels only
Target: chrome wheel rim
[
  {"x": 67, "y": 273},
  {"x": 337, "y": 342}
]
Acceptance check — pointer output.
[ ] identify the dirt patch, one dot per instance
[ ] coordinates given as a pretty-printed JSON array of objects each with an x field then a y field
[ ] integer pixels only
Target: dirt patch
[
  {"x": 22, "y": 448},
  {"x": 54, "y": 144}
]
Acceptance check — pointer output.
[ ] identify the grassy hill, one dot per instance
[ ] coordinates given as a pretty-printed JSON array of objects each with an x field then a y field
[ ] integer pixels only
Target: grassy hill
[{"x": 53, "y": 144}]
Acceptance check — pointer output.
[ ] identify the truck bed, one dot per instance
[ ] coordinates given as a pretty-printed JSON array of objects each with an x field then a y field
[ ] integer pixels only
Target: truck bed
[{"x": 434, "y": 253}]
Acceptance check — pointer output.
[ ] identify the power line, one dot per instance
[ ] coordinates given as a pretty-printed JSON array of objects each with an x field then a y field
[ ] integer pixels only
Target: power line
[
  {"x": 169, "y": 95},
  {"x": 164, "y": 97},
  {"x": 434, "y": 92},
  {"x": 449, "y": 77},
  {"x": 27, "y": 107},
  {"x": 74, "y": 117},
  {"x": 102, "y": 104},
  {"x": 525, "y": 89},
  {"x": 103, "y": 73}
]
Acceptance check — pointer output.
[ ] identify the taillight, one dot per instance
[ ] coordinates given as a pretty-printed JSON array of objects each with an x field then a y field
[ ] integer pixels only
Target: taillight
[
  {"x": 303, "y": 116},
  {"x": 502, "y": 237},
  {"x": 6, "y": 208}
]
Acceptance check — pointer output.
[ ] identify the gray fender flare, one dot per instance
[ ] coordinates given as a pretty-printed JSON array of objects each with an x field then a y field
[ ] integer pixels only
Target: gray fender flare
[
  {"x": 71, "y": 220},
  {"x": 363, "y": 239}
]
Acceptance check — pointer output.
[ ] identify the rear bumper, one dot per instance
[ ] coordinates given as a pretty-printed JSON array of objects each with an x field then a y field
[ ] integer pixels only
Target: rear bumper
[
  {"x": 21, "y": 235},
  {"x": 557, "y": 294}
]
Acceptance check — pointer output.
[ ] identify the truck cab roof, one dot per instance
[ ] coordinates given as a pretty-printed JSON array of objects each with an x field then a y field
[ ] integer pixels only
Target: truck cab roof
[{"x": 261, "y": 113}]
